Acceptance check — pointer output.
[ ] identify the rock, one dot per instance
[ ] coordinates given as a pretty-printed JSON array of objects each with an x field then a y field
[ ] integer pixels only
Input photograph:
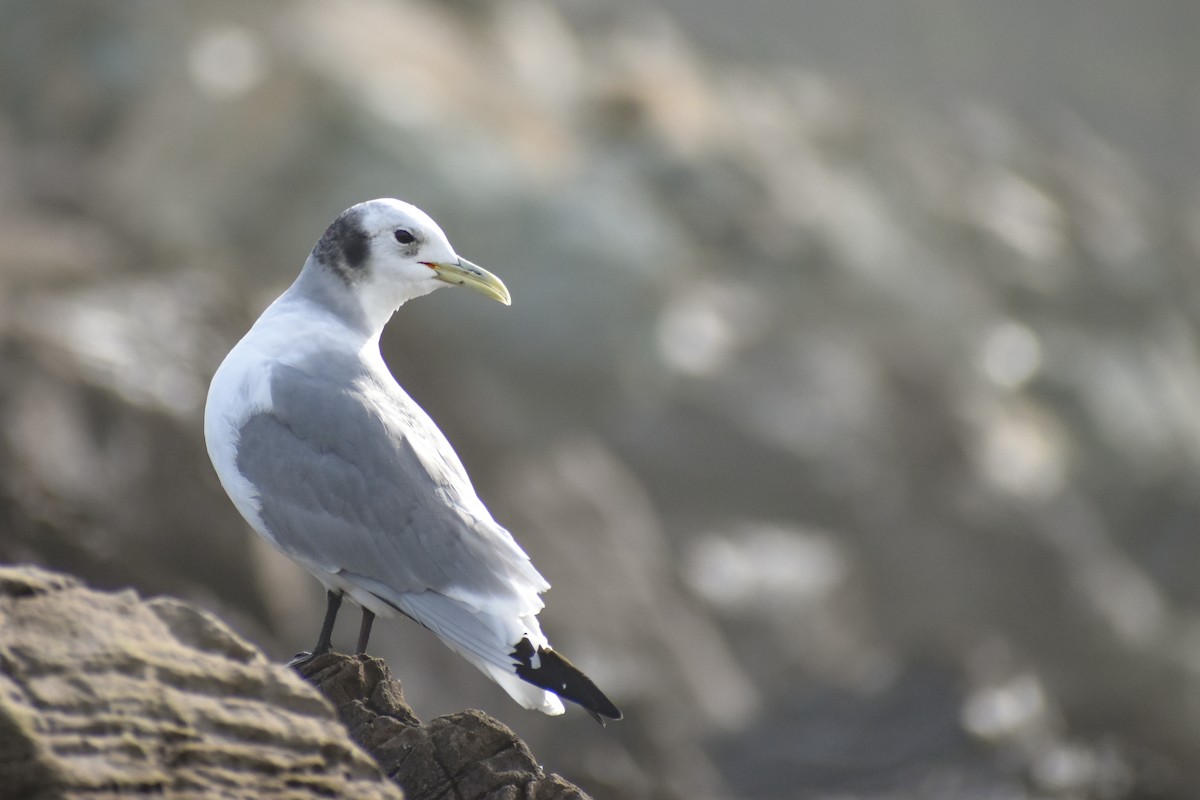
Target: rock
[
  {"x": 114, "y": 695},
  {"x": 467, "y": 755},
  {"x": 107, "y": 694}
]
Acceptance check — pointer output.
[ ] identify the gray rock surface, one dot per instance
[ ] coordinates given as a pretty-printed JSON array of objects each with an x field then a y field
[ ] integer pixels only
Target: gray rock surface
[
  {"x": 108, "y": 695},
  {"x": 468, "y": 755}
]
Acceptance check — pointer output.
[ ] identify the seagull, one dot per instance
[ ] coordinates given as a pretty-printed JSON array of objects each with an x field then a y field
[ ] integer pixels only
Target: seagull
[{"x": 330, "y": 461}]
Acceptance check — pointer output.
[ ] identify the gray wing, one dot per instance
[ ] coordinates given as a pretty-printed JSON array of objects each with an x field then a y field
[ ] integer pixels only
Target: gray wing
[{"x": 354, "y": 477}]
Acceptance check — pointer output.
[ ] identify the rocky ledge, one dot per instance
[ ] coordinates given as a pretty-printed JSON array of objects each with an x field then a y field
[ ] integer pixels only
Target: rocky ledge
[{"x": 109, "y": 695}]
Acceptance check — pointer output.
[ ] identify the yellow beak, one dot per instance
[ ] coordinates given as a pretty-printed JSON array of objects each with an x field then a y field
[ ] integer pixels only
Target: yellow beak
[{"x": 473, "y": 276}]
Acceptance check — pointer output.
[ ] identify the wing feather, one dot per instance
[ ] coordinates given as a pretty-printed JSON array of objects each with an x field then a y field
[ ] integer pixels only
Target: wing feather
[{"x": 353, "y": 477}]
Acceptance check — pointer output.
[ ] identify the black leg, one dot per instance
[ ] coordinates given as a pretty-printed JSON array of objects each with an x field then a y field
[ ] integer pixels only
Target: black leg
[
  {"x": 333, "y": 601},
  {"x": 364, "y": 630}
]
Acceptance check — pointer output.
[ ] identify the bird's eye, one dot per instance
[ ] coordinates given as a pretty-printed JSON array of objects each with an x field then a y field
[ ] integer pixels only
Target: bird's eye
[{"x": 404, "y": 237}]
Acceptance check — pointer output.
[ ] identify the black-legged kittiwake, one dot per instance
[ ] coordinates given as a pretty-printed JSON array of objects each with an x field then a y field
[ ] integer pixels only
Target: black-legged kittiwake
[{"x": 333, "y": 463}]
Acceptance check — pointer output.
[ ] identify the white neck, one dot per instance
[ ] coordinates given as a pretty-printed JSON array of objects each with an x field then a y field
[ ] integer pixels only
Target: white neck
[{"x": 366, "y": 305}]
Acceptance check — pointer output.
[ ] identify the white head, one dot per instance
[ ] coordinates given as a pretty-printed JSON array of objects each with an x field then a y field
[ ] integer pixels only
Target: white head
[{"x": 386, "y": 252}]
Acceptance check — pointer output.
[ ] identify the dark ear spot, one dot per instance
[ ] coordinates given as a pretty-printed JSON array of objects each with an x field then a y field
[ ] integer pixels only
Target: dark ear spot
[
  {"x": 344, "y": 245},
  {"x": 354, "y": 248}
]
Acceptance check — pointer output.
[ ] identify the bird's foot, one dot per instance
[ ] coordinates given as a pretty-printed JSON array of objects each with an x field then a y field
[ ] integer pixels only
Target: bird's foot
[
  {"x": 300, "y": 659},
  {"x": 304, "y": 658}
]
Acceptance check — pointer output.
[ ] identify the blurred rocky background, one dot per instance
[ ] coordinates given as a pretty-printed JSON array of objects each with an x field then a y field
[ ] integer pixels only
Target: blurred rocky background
[{"x": 850, "y": 397}]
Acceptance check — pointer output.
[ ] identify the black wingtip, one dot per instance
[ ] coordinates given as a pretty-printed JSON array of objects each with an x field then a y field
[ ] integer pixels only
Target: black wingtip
[{"x": 554, "y": 673}]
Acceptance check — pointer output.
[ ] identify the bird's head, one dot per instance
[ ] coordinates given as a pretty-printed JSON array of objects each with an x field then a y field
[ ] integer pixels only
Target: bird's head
[{"x": 387, "y": 252}]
